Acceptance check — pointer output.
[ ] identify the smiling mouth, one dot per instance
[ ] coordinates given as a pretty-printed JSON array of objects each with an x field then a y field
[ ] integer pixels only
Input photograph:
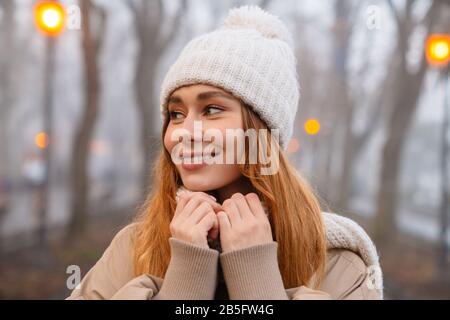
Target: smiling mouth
[{"x": 199, "y": 158}]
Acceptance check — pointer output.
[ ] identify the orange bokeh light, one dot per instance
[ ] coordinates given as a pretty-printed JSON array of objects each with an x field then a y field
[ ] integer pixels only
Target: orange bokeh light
[
  {"x": 312, "y": 127},
  {"x": 50, "y": 17},
  {"x": 438, "y": 49},
  {"x": 41, "y": 140}
]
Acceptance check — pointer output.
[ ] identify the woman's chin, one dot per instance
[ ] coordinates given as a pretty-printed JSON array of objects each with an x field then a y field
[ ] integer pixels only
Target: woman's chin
[
  {"x": 195, "y": 181},
  {"x": 211, "y": 177},
  {"x": 199, "y": 182}
]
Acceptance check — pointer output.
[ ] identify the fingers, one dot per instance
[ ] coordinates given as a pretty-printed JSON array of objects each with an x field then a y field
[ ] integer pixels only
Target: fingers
[
  {"x": 224, "y": 222},
  {"x": 214, "y": 232},
  {"x": 202, "y": 210},
  {"x": 184, "y": 198},
  {"x": 195, "y": 218},
  {"x": 195, "y": 200},
  {"x": 229, "y": 206},
  {"x": 189, "y": 195},
  {"x": 255, "y": 205},
  {"x": 181, "y": 204},
  {"x": 242, "y": 206},
  {"x": 208, "y": 221}
]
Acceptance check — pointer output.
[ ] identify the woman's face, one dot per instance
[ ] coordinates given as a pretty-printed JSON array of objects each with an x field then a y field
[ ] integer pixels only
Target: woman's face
[{"x": 210, "y": 111}]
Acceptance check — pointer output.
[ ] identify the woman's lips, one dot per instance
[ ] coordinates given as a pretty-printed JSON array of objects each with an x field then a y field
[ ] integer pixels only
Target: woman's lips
[
  {"x": 193, "y": 166},
  {"x": 191, "y": 163}
]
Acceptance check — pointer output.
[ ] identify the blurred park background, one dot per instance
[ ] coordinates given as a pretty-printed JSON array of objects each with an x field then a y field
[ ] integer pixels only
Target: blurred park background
[{"x": 80, "y": 125}]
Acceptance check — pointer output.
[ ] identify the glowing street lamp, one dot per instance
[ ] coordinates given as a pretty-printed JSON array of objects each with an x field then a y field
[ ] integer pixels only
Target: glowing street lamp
[
  {"x": 438, "y": 50},
  {"x": 50, "y": 20},
  {"x": 41, "y": 140},
  {"x": 312, "y": 127},
  {"x": 50, "y": 17}
]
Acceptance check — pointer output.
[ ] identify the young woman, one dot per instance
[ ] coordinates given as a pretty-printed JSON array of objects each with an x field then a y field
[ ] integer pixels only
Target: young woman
[{"x": 221, "y": 224}]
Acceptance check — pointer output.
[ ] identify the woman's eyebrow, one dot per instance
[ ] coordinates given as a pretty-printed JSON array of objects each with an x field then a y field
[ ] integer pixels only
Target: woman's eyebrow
[
  {"x": 213, "y": 94},
  {"x": 203, "y": 96}
]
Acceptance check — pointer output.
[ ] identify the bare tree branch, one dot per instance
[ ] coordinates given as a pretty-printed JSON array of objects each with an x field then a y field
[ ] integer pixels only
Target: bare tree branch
[
  {"x": 131, "y": 6},
  {"x": 164, "y": 43},
  {"x": 265, "y": 3},
  {"x": 395, "y": 14},
  {"x": 99, "y": 37}
]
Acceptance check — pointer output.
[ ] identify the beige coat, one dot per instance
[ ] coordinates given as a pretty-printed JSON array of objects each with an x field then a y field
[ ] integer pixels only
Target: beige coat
[{"x": 196, "y": 273}]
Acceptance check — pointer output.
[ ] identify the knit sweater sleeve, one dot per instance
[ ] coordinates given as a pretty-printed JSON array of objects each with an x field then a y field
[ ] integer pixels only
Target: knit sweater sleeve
[
  {"x": 192, "y": 273},
  {"x": 253, "y": 274}
]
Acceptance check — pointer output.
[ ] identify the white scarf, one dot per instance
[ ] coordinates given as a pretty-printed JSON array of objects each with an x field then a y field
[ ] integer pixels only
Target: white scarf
[{"x": 341, "y": 233}]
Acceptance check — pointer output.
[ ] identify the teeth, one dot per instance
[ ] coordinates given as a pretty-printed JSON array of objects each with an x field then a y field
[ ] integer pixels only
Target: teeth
[{"x": 199, "y": 159}]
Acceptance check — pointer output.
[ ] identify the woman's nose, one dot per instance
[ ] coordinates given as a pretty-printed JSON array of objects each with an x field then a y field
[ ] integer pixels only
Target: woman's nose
[{"x": 194, "y": 125}]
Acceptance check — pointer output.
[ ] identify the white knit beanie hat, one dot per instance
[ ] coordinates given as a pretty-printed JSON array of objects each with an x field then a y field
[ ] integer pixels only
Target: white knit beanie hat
[{"x": 251, "y": 56}]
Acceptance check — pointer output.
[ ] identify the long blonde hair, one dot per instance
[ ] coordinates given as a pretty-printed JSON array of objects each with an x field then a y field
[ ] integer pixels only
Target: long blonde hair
[{"x": 294, "y": 214}]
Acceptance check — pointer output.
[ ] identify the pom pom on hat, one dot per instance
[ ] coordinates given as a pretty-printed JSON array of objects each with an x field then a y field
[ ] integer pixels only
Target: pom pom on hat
[{"x": 253, "y": 17}]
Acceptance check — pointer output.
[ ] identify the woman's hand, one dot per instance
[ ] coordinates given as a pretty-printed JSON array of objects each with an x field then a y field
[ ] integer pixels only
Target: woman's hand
[
  {"x": 243, "y": 223},
  {"x": 195, "y": 218}
]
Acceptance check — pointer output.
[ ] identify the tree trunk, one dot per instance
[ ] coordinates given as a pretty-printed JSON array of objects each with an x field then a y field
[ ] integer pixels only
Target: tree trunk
[
  {"x": 145, "y": 102},
  {"x": 149, "y": 20},
  {"x": 6, "y": 88},
  {"x": 80, "y": 150},
  {"x": 404, "y": 107}
]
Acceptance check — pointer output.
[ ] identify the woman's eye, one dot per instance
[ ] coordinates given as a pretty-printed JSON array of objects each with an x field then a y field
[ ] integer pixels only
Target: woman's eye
[
  {"x": 174, "y": 115},
  {"x": 210, "y": 110}
]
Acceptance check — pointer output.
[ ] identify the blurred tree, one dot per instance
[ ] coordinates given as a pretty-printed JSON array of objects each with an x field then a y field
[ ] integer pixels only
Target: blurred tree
[
  {"x": 7, "y": 35},
  {"x": 154, "y": 39},
  {"x": 341, "y": 115},
  {"x": 315, "y": 103},
  {"x": 347, "y": 100},
  {"x": 265, "y": 4},
  {"x": 405, "y": 98},
  {"x": 92, "y": 36}
]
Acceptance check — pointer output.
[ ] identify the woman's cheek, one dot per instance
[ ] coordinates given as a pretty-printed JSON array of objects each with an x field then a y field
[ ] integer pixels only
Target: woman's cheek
[{"x": 169, "y": 144}]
